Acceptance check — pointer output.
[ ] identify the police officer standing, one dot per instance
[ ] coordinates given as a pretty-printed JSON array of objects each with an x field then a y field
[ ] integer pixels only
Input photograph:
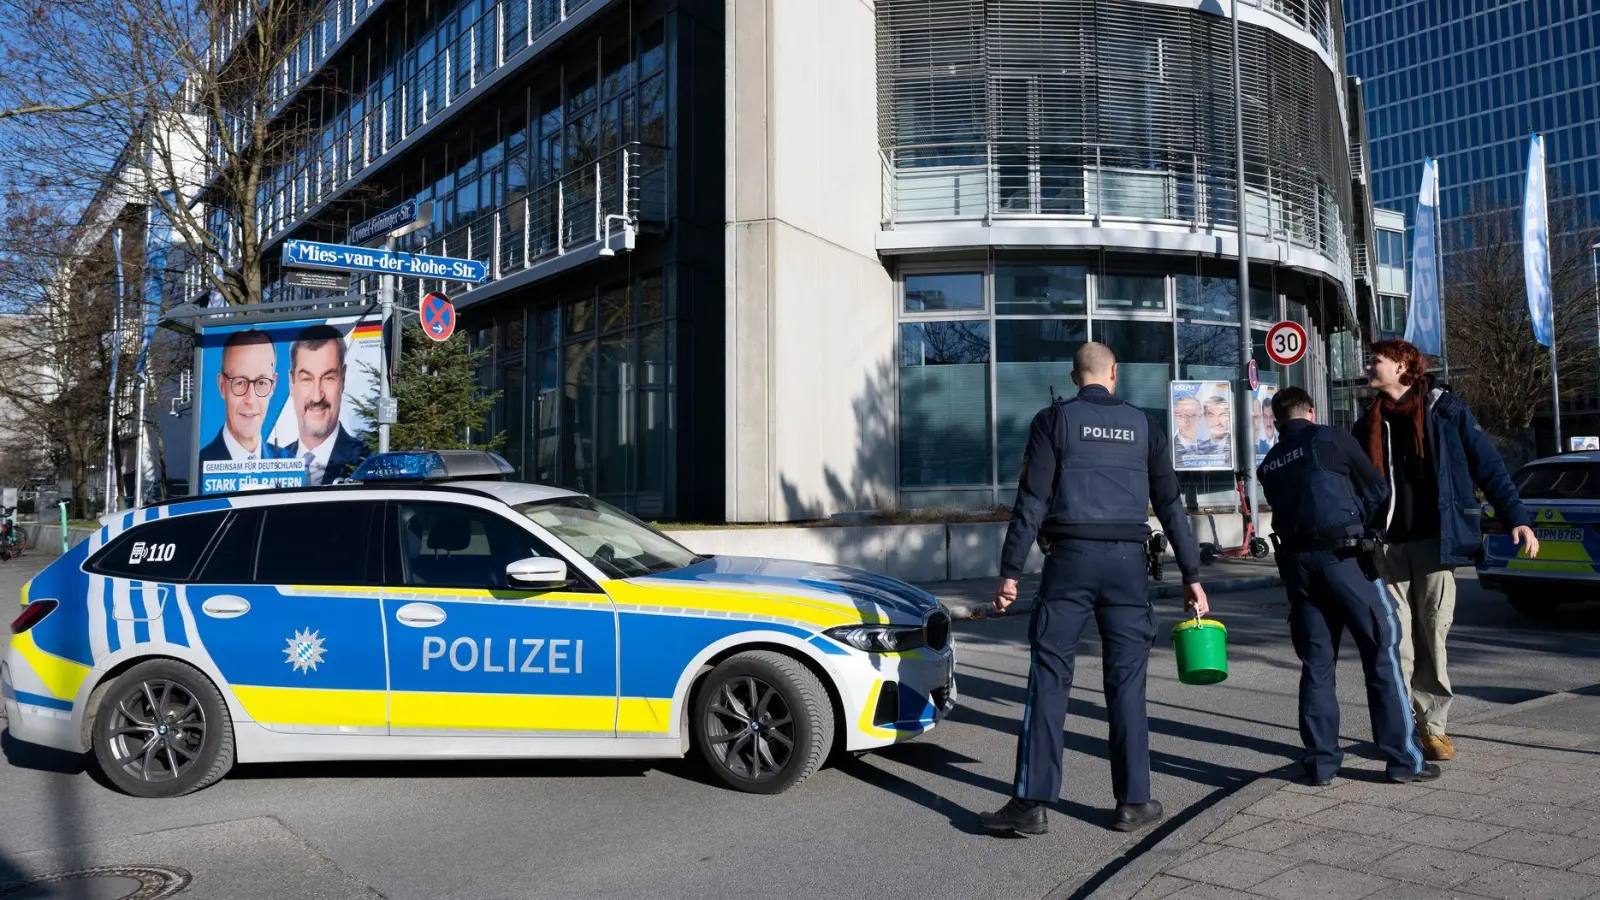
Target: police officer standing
[
  {"x": 1093, "y": 468},
  {"x": 1324, "y": 492}
]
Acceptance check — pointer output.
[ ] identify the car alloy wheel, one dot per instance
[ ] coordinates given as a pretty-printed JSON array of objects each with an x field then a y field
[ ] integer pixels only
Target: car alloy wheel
[
  {"x": 762, "y": 721},
  {"x": 157, "y": 730},
  {"x": 162, "y": 730},
  {"x": 750, "y": 728}
]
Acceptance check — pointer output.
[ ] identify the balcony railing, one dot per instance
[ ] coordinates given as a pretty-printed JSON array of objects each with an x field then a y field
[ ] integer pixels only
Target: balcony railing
[
  {"x": 339, "y": 153},
  {"x": 625, "y": 187},
  {"x": 1095, "y": 184}
]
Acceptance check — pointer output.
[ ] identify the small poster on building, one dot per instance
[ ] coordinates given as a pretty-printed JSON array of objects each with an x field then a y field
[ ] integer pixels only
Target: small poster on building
[
  {"x": 1265, "y": 427},
  {"x": 1202, "y": 426},
  {"x": 1585, "y": 442}
]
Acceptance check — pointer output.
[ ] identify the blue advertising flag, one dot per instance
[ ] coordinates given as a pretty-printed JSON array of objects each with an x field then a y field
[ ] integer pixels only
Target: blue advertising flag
[
  {"x": 1536, "y": 245},
  {"x": 1422, "y": 320}
]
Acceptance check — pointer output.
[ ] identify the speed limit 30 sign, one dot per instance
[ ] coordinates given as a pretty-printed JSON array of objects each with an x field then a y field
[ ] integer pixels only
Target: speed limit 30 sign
[{"x": 1286, "y": 343}]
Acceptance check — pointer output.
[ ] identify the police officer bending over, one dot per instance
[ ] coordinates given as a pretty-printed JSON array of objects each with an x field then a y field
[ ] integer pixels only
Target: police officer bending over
[
  {"x": 1324, "y": 491},
  {"x": 1093, "y": 468}
]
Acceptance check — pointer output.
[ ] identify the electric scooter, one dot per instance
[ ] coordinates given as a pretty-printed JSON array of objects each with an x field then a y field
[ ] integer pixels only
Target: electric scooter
[{"x": 1254, "y": 546}]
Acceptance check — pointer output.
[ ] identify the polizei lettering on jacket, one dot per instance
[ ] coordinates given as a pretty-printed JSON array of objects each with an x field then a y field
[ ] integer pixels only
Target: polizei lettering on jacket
[
  {"x": 1273, "y": 465},
  {"x": 532, "y": 656},
  {"x": 1106, "y": 433}
]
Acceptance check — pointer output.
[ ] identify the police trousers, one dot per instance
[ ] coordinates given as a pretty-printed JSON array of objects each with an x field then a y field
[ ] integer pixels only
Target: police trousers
[
  {"x": 1328, "y": 596},
  {"x": 1104, "y": 581}
]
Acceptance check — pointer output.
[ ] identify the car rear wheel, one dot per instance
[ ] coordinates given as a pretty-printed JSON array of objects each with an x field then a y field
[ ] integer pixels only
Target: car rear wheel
[
  {"x": 763, "y": 722},
  {"x": 162, "y": 730},
  {"x": 1537, "y": 608}
]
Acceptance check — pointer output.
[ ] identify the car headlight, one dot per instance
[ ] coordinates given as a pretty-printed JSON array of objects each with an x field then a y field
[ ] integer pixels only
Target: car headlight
[{"x": 880, "y": 638}]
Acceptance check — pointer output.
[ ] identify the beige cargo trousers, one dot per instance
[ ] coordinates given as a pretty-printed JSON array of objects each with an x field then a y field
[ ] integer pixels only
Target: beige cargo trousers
[{"x": 1424, "y": 594}]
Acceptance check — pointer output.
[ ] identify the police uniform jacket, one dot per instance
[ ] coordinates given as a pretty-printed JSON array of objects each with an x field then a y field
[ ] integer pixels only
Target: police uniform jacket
[
  {"x": 1094, "y": 468},
  {"x": 1321, "y": 486}
]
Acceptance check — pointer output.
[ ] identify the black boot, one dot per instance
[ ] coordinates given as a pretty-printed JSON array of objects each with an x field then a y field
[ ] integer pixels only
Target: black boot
[
  {"x": 1134, "y": 816},
  {"x": 1024, "y": 816},
  {"x": 1430, "y": 772}
]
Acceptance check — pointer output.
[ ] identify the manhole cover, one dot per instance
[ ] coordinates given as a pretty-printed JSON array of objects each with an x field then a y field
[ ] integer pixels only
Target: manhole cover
[{"x": 100, "y": 883}]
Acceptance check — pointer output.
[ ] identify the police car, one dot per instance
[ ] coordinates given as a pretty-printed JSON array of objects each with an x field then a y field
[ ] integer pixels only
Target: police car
[
  {"x": 435, "y": 609},
  {"x": 1562, "y": 494}
]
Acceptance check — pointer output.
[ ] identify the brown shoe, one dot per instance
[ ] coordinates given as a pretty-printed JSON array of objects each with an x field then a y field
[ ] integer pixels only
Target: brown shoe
[{"x": 1437, "y": 747}]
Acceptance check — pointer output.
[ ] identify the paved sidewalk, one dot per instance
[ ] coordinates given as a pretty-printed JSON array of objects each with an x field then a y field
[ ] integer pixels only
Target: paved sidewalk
[
  {"x": 1516, "y": 816},
  {"x": 973, "y": 598}
]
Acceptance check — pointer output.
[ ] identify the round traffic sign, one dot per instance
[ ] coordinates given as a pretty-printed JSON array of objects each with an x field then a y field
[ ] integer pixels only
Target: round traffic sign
[
  {"x": 1286, "y": 343},
  {"x": 1252, "y": 375},
  {"x": 438, "y": 316}
]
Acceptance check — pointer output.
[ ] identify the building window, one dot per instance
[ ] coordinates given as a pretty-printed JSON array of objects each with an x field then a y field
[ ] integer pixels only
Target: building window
[
  {"x": 944, "y": 404},
  {"x": 1040, "y": 290},
  {"x": 943, "y": 292},
  {"x": 1144, "y": 361},
  {"x": 1131, "y": 291},
  {"x": 1033, "y": 365}
]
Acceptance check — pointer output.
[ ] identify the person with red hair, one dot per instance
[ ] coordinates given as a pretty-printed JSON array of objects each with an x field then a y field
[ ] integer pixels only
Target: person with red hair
[{"x": 1427, "y": 442}]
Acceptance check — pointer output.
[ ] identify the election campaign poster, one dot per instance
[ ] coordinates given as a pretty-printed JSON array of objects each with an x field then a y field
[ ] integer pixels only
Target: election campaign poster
[
  {"x": 276, "y": 401},
  {"x": 1584, "y": 442},
  {"x": 1264, "y": 428},
  {"x": 1202, "y": 426}
]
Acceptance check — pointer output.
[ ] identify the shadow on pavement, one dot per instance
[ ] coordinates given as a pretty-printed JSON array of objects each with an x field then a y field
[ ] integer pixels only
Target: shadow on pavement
[{"x": 24, "y": 755}]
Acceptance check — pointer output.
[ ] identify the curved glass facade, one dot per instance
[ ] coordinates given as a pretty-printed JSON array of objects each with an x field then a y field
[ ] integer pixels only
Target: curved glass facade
[{"x": 1114, "y": 109}]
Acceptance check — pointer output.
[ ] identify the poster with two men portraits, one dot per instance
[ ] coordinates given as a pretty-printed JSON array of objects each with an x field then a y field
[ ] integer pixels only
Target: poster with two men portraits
[
  {"x": 1202, "y": 425},
  {"x": 276, "y": 401}
]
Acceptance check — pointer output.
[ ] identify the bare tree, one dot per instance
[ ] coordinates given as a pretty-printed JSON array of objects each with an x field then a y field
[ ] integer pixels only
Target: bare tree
[
  {"x": 56, "y": 363},
  {"x": 1496, "y": 362},
  {"x": 184, "y": 106}
]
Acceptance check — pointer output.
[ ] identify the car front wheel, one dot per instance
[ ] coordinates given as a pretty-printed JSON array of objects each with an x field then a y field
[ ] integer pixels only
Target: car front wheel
[
  {"x": 162, "y": 730},
  {"x": 763, "y": 722}
]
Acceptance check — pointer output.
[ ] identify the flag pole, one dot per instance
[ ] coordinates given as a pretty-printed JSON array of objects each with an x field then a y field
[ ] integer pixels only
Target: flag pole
[{"x": 1438, "y": 280}]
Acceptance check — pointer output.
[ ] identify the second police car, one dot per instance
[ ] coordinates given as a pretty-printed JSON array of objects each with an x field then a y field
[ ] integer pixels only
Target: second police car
[
  {"x": 1562, "y": 494},
  {"x": 436, "y": 610}
]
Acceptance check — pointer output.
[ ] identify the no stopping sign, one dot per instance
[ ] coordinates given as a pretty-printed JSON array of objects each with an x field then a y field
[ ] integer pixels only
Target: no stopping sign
[{"x": 1286, "y": 343}]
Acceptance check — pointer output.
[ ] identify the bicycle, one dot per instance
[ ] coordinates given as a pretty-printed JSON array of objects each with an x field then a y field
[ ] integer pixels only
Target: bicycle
[{"x": 13, "y": 540}]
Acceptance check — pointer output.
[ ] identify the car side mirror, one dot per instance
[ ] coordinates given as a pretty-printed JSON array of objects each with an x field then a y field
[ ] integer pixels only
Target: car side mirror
[{"x": 540, "y": 571}]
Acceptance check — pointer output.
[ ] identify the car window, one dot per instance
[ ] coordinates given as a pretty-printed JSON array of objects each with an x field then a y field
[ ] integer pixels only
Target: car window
[
  {"x": 326, "y": 543},
  {"x": 163, "y": 550},
  {"x": 615, "y": 542},
  {"x": 451, "y": 545},
  {"x": 1560, "y": 481},
  {"x": 233, "y": 560}
]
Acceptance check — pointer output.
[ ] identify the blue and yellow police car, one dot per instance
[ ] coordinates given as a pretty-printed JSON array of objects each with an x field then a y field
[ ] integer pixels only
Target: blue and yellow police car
[
  {"x": 434, "y": 609},
  {"x": 1562, "y": 494}
]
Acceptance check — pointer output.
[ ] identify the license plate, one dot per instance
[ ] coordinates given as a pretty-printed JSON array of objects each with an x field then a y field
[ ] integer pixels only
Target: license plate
[{"x": 1573, "y": 535}]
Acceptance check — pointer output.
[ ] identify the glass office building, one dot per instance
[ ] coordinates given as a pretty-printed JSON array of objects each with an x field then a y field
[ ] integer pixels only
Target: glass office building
[
  {"x": 840, "y": 262},
  {"x": 1466, "y": 83}
]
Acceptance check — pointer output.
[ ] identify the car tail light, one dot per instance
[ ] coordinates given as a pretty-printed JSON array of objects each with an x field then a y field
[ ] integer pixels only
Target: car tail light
[{"x": 32, "y": 615}]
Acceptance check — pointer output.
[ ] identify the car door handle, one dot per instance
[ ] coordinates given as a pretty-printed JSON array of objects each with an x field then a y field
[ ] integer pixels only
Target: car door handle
[
  {"x": 225, "y": 606},
  {"x": 419, "y": 615}
]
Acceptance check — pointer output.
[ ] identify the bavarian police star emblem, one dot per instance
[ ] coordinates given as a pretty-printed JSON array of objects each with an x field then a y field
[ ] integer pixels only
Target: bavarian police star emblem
[{"x": 305, "y": 651}]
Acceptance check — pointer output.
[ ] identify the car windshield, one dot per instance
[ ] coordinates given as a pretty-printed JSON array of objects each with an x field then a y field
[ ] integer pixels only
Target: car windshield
[
  {"x": 1560, "y": 481},
  {"x": 615, "y": 542}
]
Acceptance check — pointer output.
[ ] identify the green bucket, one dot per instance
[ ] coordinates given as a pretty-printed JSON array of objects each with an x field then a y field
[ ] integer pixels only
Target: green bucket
[{"x": 1202, "y": 649}]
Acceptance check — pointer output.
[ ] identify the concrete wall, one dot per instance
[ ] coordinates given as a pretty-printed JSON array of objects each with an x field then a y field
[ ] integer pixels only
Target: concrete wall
[{"x": 810, "y": 322}]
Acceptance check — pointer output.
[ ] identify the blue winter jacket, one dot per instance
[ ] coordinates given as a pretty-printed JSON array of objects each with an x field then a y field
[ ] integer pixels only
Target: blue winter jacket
[{"x": 1463, "y": 457}]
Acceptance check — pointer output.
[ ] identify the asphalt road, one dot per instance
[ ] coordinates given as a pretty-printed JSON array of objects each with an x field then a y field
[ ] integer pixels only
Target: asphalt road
[{"x": 898, "y": 823}]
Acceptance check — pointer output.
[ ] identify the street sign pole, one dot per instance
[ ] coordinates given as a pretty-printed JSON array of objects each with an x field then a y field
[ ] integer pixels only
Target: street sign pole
[
  {"x": 386, "y": 304},
  {"x": 1246, "y": 348}
]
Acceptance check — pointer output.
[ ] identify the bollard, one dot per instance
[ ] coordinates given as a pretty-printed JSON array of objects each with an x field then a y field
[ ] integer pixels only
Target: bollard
[{"x": 63, "y": 505}]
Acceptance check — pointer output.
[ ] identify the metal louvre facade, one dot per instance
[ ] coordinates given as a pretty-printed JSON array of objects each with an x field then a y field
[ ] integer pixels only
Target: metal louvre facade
[{"x": 1113, "y": 110}]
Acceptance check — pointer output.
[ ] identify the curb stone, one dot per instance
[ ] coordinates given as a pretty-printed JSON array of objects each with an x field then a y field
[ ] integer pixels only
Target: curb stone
[
  {"x": 974, "y": 609},
  {"x": 1141, "y": 864}
]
